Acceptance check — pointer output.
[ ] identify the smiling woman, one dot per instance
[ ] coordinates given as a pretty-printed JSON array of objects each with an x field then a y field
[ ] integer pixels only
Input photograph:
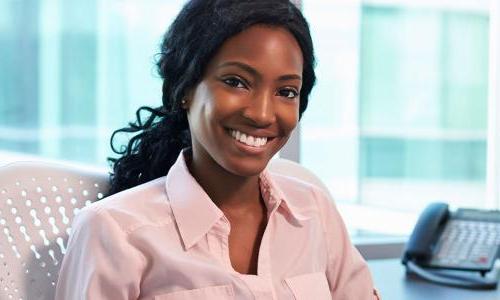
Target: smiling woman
[
  {"x": 250, "y": 90},
  {"x": 193, "y": 212}
]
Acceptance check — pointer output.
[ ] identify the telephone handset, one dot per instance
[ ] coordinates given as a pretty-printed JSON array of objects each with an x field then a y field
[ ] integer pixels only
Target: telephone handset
[{"x": 463, "y": 240}]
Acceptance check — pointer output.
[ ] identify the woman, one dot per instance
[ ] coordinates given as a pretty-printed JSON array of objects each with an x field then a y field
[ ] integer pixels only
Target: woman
[{"x": 194, "y": 214}]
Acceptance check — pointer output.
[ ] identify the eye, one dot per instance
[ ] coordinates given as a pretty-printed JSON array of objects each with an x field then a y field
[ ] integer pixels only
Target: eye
[
  {"x": 234, "y": 82},
  {"x": 288, "y": 93}
]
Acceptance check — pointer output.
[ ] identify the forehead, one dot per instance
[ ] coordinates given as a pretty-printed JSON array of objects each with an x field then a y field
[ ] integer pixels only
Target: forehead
[{"x": 266, "y": 48}]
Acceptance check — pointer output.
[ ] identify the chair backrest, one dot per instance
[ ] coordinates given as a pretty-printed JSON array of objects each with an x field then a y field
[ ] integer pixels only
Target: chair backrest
[{"x": 38, "y": 202}]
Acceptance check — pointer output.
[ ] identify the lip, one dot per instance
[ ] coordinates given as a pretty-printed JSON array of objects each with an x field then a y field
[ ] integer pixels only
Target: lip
[
  {"x": 254, "y": 132},
  {"x": 246, "y": 148}
]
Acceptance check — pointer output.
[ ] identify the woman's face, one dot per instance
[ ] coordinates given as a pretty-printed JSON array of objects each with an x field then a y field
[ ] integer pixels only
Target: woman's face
[{"x": 247, "y": 104}]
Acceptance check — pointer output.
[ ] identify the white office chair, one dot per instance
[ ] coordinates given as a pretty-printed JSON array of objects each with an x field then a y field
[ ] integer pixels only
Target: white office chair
[{"x": 37, "y": 204}]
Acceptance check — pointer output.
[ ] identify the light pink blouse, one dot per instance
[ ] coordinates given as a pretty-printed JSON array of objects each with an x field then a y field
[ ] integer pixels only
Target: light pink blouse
[{"x": 167, "y": 240}]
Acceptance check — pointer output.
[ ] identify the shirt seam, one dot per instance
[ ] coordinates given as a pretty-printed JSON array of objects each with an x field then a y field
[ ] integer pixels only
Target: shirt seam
[
  {"x": 99, "y": 211},
  {"x": 129, "y": 230},
  {"x": 133, "y": 229},
  {"x": 323, "y": 224}
]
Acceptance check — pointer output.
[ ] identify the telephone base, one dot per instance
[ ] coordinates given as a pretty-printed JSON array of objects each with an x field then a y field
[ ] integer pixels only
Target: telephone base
[{"x": 455, "y": 278}]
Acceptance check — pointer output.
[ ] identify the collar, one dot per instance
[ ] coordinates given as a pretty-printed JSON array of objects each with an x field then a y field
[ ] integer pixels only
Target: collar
[
  {"x": 194, "y": 211},
  {"x": 274, "y": 198}
]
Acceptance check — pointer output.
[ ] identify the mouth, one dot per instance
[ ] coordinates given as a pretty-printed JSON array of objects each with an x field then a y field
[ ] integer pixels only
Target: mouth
[{"x": 248, "y": 139}]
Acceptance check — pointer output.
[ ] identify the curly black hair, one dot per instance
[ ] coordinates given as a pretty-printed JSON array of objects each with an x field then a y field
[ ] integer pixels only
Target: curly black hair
[{"x": 192, "y": 40}]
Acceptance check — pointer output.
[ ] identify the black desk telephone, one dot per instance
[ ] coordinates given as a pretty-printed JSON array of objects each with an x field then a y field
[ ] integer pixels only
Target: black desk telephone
[{"x": 444, "y": 245}]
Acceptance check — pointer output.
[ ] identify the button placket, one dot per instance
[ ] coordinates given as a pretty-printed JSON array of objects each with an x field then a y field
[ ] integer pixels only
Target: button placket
[
  {"x": 215, "y": 247},
  {"x": 260, "y": 286},
  {"x": 224, "y": 228}
]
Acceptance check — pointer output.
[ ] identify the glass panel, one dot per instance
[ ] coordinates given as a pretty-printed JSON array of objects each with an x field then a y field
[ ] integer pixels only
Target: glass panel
[
  {"x": 399, "y": 115},
  {"x": 330, "y": 126},
  {"x": 76, "y": 71},
  {"x": 18, "y": 79},
  {"x": 423, "y": 97}
]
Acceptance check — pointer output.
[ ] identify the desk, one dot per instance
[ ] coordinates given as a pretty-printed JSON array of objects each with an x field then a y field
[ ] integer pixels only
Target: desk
[{"x": 391, "y": 281}]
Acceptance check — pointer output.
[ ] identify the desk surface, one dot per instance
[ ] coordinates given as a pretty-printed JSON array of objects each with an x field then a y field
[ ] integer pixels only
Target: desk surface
[{"x": 391, "y": 281}]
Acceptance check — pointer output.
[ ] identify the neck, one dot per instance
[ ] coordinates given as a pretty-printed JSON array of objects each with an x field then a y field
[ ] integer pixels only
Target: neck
[{"x": 225, "y": 189}]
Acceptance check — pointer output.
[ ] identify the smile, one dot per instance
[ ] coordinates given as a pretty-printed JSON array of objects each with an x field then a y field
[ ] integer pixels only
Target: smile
[{"x": 249, "y": 140}]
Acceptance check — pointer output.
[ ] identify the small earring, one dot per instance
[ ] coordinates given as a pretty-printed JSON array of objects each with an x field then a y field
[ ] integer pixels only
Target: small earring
[{"x": 183, "y": 103}]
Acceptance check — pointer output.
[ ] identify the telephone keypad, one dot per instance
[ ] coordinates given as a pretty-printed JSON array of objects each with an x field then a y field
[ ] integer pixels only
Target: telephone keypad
[{"x": 467, "y": 244}]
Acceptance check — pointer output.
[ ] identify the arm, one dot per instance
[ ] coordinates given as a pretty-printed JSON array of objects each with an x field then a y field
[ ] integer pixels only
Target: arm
[
  {"x": 99, "y": 262},
  {"x": 347, "y": 272}
]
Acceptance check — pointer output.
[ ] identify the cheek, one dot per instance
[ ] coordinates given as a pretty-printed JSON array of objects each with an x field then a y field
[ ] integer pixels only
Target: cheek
[
  {"x": 289, "y": 117},
  {"x": 228, "y": 95},
  {"x": 224, "y": 105},
  {"x": 209, "y": 104}
]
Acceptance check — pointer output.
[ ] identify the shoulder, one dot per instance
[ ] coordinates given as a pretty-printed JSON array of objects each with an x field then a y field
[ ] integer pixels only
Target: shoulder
[
  {"x": 293, "y": 186},
  {"x": 290, "y": 184},
  {"x": 300, "y": 192},
  {"x": 143, "y": 205},
  {"x": 309, "y": 198}
]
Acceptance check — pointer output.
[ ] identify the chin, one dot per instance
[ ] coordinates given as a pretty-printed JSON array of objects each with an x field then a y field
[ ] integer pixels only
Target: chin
[{"x": 246, "y": 167}]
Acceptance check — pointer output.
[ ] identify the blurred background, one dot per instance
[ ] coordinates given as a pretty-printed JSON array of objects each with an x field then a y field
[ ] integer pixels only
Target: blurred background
[{"x": 404, "y": 112}]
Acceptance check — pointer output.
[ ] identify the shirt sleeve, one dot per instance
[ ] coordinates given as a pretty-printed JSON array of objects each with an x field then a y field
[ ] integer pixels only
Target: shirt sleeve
[
  {"x": 99, "y": 262},
  {"x": 347, "y": 272}
]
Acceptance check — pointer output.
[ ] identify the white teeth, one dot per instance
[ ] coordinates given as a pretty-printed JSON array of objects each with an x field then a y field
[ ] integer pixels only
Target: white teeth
[{"x": 248, "y": 139}]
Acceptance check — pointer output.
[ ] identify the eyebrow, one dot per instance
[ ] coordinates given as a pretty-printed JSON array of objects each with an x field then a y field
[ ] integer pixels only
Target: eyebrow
[{"x": 255, "y": 73}]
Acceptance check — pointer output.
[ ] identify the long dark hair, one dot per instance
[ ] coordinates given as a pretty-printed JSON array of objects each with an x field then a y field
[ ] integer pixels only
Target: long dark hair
[{"x": 196, "y": 34}]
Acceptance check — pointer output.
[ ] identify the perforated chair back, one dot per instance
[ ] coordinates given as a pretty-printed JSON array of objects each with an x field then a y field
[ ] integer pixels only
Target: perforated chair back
[{"x": 38, "y": 202}]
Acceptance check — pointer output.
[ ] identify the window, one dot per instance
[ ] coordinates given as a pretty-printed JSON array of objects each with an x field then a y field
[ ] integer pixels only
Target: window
[
  {"x": 404, "y": 111},
  {"x": 75, "y": 72},
  {"x": 399, "y": 117}
]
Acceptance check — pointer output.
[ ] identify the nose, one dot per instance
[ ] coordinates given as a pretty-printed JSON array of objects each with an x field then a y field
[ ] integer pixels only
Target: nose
[{"x": 260, "y": 110}]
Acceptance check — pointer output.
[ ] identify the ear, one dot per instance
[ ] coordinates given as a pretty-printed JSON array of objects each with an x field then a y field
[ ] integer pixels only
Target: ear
[
  {"x": 187, "y": 99},
  {"x": 184, "y": 104}
]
